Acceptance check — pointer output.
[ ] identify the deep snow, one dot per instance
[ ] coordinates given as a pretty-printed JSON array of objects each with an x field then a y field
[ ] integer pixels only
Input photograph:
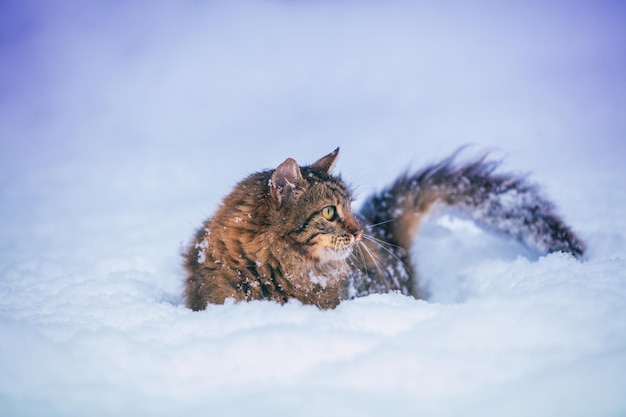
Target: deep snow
[{"x": 122, "y": 125}]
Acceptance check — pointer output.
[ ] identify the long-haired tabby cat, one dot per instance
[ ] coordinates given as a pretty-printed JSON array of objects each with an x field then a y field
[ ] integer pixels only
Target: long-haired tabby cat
[{"x": 290, "y": 233}]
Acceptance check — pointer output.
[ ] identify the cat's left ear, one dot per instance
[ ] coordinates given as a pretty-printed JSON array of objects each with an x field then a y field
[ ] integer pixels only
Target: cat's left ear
[
  {"x": 326, "y": 163},
  {"x": 284, "y": 180}
]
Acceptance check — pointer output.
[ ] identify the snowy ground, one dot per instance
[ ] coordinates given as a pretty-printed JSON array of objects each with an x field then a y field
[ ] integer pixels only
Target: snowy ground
[{"x": 122, "y": 124}]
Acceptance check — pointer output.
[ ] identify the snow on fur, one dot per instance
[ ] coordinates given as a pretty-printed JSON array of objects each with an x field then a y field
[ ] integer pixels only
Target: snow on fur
[{"x": 123, "y": 125}]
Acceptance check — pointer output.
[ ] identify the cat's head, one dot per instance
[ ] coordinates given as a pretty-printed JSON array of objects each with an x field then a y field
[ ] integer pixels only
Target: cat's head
[{"x": 315, "y": 207}]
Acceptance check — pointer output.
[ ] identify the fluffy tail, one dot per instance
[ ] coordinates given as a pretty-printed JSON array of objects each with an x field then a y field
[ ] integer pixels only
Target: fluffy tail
[{"x": 501, "y": 202}]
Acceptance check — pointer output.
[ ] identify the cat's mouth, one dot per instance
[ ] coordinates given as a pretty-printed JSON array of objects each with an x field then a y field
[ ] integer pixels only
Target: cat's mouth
[
  {"x": 330, "y": 254},
  {"x": 338, "y": 251}
]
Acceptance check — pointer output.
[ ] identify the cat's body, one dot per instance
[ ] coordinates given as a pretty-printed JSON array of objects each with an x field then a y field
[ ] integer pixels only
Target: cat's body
[{"x": 290, "y": 233}]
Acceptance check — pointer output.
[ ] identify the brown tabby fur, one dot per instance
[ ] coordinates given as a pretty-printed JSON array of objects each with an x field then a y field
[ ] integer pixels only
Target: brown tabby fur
[{"x": 269, "y": 239}]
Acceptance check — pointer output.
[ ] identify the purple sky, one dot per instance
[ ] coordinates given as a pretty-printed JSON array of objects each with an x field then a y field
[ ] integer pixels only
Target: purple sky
[{"x": 100, "y": 80}]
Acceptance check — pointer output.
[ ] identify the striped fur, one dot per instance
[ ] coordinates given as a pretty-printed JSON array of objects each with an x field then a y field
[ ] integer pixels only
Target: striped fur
[{"x": 270, "y": 240}]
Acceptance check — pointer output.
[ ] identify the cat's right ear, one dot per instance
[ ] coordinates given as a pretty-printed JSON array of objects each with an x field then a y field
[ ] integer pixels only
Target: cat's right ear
[{"x": 284, "y": 180}]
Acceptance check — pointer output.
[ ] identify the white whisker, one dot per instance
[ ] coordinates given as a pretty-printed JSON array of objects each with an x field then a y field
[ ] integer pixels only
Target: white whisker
[
  {"x": 381, "y": 272},
  {"x": 382, "y": 244},
  {"x": 371, "y": 226}
]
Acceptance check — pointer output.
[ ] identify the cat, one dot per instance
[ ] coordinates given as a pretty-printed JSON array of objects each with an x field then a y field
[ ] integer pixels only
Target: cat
[{"x": 290, "y": 233}]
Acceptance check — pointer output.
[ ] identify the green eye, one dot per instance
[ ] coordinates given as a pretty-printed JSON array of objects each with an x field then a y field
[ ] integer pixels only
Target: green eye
[{"x": 329, "y": 212}]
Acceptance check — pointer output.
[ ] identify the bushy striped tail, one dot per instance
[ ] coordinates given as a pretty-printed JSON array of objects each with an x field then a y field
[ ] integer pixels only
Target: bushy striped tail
[{"x": 502, "y": 202}]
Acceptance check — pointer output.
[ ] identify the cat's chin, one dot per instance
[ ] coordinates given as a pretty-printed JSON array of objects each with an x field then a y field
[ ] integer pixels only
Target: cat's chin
[{"x": 327, "y": 255}]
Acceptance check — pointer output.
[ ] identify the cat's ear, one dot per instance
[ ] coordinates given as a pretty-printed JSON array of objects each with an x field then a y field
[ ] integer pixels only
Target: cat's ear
[
  {"x": 326, "y": 163},
  {"x": 284, "y": 180}
]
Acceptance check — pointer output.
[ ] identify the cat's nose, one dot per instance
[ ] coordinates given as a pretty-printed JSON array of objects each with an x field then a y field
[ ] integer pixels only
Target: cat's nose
[{"x": 358, "y": 235}]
